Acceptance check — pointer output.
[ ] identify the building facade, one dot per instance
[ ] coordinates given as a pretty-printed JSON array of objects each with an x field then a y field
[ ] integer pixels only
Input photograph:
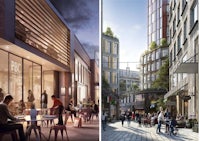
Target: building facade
[
  {"x": 157, "y": 21},
  {"x": 184, "y": 57},
  {"x": 152, "y": 59},
  {"x": 110, "y": 69},
  {"x": 128, "y": 84},
  {"x": 38, "y": 53}
]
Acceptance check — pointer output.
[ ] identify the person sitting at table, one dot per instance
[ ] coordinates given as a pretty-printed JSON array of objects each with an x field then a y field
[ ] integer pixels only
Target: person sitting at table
[
  {"x": 1, "y": 95},
  {"x": 57, "y": 108},
  {"x": 6, "y": 125},
  {"x": 94, "y": 109},
  {"x": 21, "y": 107},
  {"x": 71, "y": 109}
]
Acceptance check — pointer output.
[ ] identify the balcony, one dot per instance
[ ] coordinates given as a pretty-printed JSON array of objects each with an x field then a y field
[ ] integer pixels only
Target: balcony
[{"x": 189, "y": 66}]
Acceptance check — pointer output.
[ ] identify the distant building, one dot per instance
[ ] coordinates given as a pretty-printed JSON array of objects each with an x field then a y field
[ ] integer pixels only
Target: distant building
[
  {"x": 184, "y": 58},
  {"x": 128, "y": 84},
  {"x": 110, "y": 69}
]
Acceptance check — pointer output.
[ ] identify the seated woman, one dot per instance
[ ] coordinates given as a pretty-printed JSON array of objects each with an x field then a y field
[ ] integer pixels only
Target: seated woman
[
  {"x": 71, "y": 109},
  {"x": 21, "y": 107}
]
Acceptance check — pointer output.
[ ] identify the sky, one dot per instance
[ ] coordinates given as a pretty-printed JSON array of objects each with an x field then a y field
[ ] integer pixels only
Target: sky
[
  {"x": 82, "y": 17},
  {"x": 128, "y": 21}
]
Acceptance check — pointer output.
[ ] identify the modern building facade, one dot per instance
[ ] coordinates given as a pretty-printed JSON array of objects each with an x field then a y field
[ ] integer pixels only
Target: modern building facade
[
  {"x": 129, "y": 82},
  {"x": 110, "y": 68},
  {"x": 184, "y": 57},
  {"x": 157, "y": 21},
  {"x": 39, "y": 52},
  {"x": 152, "y": 59}
]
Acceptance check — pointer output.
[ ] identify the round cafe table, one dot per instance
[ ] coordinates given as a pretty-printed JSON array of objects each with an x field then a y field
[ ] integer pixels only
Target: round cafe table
[{"x": 32, "y": 124}]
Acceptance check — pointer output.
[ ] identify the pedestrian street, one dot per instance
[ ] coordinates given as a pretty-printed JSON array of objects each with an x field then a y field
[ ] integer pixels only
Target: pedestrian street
[{"x": 115, "y": 132}]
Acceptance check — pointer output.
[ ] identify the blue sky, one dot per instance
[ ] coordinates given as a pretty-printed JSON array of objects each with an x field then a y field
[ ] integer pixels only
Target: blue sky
[{"x": 128, "y": 21}]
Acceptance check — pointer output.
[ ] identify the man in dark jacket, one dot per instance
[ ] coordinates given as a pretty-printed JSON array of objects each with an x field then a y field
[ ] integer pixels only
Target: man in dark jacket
[{"x": 6, "y": 125}]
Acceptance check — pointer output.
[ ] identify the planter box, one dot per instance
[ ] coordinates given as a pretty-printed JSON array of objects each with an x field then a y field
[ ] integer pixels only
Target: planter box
[{"x": 195, "y": 128}]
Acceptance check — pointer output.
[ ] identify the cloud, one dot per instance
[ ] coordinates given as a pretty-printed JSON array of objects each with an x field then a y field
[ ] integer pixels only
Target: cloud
[
  {"x": 91, "y": 49},
  {"x": 78, "y": 13}
]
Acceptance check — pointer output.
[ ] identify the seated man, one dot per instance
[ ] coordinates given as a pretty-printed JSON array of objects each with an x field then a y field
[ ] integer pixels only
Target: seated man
[
  {"x": 57, "y": 107},
  {"x": 6, "y": 125}
]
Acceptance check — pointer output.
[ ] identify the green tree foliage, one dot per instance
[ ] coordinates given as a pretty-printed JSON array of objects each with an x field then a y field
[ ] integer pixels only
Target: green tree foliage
[
  {"x": 122, "y": 86},
  {"x": 163, "y": 77},
  {"x": 153, "y": 45},
  {"x": 109, "y": 32},
  {"x": 105, "y": 86},
  {"x": 163, "y": 42}
]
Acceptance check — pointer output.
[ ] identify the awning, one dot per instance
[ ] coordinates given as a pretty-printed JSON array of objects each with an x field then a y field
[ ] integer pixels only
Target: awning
[{"x": 187, "y": 67}]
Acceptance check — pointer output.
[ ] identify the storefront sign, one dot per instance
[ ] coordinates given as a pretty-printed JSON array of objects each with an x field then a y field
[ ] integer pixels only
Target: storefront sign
[{"x": 15, "y": 67}]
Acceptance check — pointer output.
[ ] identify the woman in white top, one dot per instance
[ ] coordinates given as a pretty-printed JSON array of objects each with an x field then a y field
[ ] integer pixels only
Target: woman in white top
[{"x": 160, "y": 119}]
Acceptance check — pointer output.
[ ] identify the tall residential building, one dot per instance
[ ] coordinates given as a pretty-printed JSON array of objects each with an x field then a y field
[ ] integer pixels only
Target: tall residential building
[
  {"x": 128, "y": 84},
  {"x": 157, "y": 21},
  {"x": 153, "y": 59},
  {"x": 110, "y": 69},
  {"x": 184, "y": 58}
]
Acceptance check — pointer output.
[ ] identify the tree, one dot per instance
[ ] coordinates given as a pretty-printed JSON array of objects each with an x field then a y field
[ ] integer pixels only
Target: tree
[
  {"x": 109, "y": 32},
  {"x": 153, "y": 45},
  {"x": 122, "y": 86},
  {"x": 163, "y": 42},
  {"x": 163, "y": 77}
]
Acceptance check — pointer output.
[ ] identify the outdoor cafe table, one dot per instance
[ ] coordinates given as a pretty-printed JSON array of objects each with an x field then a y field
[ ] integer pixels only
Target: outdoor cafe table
[{"x": 33, "y": 124}]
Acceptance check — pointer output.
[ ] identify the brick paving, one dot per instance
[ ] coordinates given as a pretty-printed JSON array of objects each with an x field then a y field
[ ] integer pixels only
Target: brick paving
[{"x": 115, "y": 132}]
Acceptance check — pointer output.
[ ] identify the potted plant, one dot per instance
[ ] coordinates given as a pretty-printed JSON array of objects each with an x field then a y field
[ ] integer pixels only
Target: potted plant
[{"x": 195, "y": 126}]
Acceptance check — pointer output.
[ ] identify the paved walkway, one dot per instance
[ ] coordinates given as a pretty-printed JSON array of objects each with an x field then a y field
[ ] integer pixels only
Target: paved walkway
[
  {"x": 88, "y": 132},
  {"x": 115, "y": 132}
]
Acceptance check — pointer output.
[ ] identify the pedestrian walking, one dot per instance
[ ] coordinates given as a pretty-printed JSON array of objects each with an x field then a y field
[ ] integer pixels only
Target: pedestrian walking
[
  {"x": 103, "y": 119},
  {"x": 160, "y": 120},
  {"x": 167, "y": 120},
  {"x": 128, "y": 116},
  {"x": 139, "y": 119},
  {"x": 122, "y": 117}
]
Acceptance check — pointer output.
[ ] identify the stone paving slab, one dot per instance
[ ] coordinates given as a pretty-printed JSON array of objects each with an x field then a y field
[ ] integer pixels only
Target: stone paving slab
[
  {"x": 88, "y": 132},
  {"x": 115, "y": 132}
]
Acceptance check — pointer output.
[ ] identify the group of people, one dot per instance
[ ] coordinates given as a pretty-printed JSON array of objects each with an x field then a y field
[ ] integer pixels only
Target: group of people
[
  {"x": 13, "y": 124},
  {"x": 170, "y": 121}
]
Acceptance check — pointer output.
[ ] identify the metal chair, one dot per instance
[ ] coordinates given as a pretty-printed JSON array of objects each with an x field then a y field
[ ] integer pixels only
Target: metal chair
[{"x": 56, "y": 128}]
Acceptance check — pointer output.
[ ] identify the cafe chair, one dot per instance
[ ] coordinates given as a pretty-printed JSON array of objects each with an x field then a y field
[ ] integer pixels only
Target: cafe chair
[
  {"x": 13, "y": 134},
  {"x": 58, "y": 128}
]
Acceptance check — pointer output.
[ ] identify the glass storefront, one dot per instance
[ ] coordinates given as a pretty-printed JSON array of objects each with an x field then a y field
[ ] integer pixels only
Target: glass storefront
[
  {"x": 4, "y": 71},
  {"x": 19, "y": 75}
]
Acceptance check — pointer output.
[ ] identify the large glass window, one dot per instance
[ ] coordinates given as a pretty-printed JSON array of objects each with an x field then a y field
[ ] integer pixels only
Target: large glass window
[
  {"x": 179, "y": 42},
  {"x": 114, "y": 78},
  {"x": 108, "y": 47},
  {"x": 115, "y": 48},
  {"x": 48, "y": 85},
  {"x": 114, "y": 62},
  {"x": 105, "y": 61},
  {"x": 37, "y": 78},
  {"x": 164, "y": 52},
  {"x": 15, "y": 77},
  {"x": 185, "y": 30},
  {"x": 28, "y": 80},
  {"x": 4, "y": 71},
  {"x": 194, "y": 15}
]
